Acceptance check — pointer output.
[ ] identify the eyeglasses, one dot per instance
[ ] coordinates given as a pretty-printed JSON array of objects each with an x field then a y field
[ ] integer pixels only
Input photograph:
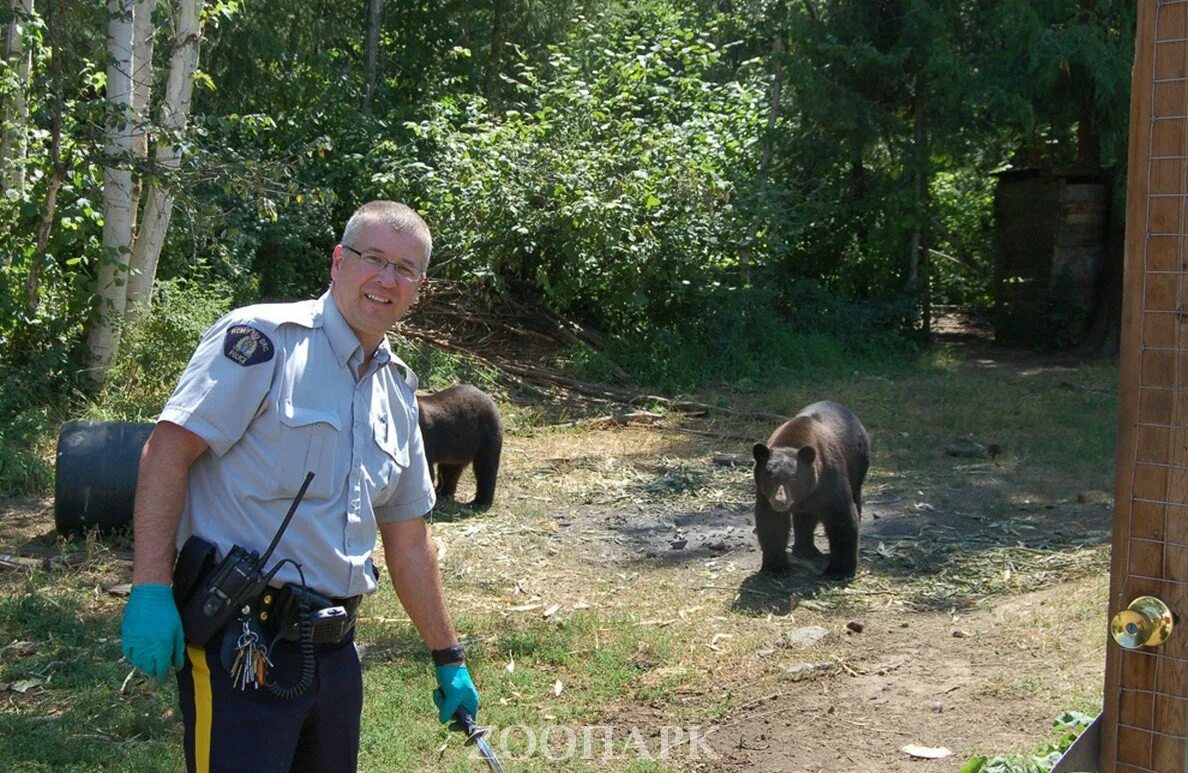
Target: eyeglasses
[{"x": 378, "y": 262}]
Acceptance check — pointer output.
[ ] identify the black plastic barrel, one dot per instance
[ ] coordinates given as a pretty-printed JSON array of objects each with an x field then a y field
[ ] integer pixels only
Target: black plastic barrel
[{"x": 96, "y": 474}]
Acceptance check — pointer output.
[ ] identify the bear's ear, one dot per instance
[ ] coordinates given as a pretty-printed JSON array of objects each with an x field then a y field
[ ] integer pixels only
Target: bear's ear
[
  {"x": 806, "y": 455},
  {"x": 762, "y": 453}
]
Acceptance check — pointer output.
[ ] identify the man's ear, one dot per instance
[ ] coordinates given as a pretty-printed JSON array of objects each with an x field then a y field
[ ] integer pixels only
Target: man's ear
[
  {"x": 806, "y": 455},
  {"x": 762, "y": 453},
  {"x": 335, "y": 261}
]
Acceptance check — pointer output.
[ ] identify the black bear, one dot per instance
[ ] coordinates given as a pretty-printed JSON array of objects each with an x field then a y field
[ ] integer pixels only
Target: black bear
[
  {"x": 810, "y": 471},
  {"x": 461, "y": 425}
]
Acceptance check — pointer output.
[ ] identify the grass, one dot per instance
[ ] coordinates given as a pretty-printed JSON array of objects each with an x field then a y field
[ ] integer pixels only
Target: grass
[
  {"x": 60, "y": 639},
  {"x": 637, "y": 643},
  {"x": 1065, "y": 729}
]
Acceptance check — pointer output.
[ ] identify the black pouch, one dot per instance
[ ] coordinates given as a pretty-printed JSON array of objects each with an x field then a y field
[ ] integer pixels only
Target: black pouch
[
  {"x": 196, "y": 559},
  {"x": 290, "y": 609}
]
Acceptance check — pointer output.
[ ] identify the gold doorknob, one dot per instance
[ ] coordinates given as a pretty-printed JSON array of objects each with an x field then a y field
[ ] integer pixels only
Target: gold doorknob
[{"x": 1147, "y": 622}]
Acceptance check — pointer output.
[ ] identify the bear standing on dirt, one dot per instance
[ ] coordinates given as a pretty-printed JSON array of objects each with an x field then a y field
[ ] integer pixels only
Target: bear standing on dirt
[
  {"x": 461, "y": 425},
  {"x": 810, "y": 471}
]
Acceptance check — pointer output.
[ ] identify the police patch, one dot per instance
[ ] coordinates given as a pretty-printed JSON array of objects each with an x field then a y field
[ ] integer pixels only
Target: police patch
[{"x": 246, "y": 345}]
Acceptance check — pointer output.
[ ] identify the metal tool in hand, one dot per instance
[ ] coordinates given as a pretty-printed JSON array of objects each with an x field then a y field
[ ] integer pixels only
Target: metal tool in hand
[{"x": 476, "y": 736}]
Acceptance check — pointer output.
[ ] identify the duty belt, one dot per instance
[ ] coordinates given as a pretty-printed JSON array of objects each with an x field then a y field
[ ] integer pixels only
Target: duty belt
[{"x": 279, "y": 610}]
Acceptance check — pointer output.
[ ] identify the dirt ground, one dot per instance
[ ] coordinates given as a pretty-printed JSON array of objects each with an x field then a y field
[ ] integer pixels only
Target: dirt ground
[
  {"x": 977, "y": 657},
  {"x": 983, "y": 671},
  {"x": 986, "y": 679},
  {"x": 914, "y": 685}
]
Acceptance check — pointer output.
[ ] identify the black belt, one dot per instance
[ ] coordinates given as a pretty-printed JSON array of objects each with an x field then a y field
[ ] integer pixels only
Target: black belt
[{"x": 280, "y": 610}]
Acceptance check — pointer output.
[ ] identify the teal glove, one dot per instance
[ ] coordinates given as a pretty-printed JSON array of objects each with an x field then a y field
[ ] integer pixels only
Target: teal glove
[
  {"x": 151, "y": 635},
  {"x": 454, "y": 689}
]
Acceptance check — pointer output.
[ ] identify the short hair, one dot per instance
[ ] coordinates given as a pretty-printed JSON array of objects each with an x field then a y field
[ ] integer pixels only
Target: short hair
[{"x": 400, "y": 217}]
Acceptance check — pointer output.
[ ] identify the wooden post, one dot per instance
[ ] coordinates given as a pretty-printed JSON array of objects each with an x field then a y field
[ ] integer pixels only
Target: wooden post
[{"x": 1145, "y": 711}]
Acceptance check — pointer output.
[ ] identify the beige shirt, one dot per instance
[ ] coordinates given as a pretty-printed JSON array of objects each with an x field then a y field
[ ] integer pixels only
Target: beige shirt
[{"x": 271, "y": 389}]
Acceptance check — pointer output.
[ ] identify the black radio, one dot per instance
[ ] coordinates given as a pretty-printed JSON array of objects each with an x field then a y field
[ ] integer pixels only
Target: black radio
[{"x": 226, "y": 590}]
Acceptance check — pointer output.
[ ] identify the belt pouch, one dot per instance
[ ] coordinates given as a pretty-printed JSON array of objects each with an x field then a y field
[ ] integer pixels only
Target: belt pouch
[
  {"x": 194, "y": 562},
  {"x": 289, "y": 615}
]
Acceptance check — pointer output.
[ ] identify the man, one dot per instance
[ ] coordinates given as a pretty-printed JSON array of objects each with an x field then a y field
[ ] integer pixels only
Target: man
[{"x": 275, "y": 391}]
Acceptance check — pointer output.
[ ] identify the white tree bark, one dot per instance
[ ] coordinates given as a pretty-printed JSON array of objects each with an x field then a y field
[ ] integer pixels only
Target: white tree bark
[
  {"x": 104, "y": 337},
  {"x": 175, "y": 111},
  {"x": 16, "y": 114},
  {"x": 143, "y": 33}
]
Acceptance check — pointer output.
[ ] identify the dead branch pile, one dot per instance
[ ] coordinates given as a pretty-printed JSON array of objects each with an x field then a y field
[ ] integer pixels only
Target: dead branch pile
[{"x": 446, "y": 317}]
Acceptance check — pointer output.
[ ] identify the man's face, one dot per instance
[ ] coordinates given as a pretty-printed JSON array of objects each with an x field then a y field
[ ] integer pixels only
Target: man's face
[{"x": 371, "y": 300}]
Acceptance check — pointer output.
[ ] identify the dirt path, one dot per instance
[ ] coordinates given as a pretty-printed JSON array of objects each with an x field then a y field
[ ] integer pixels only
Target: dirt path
[{"x": 910, "y": 680}]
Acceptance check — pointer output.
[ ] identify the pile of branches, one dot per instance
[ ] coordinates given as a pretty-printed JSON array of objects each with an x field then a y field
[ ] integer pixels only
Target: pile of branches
[
  {"x": 448, "y": 316},
  {"x": 520, "y": 341}
]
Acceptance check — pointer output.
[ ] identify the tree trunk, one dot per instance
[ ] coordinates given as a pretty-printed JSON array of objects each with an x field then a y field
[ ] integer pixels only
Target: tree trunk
[
  {"x": 33, "y": 280},
  {"x": 926, "y": 286},
  {"x": 773, "y": 108},
  {"x": 57, "y": 170},
  {"x": 1105, "y": 328},
  {"x": 917, "y": 270},
  {"x": 773, "y": 117},
  {"x": 1088, "y": 145},
  {"x": 175, "y": 111},
  {"x": 495, "y": 59},
  {"x": 16, "y": 115},
  {"x": 375, "y": 10},
  {"x": 859, "y": 189},
  {"x": 143, "y": 33},
  {"x": 104, "y": 337}
]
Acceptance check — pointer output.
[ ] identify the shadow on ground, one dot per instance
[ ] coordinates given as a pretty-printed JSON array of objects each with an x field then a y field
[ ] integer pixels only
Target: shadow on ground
[{"x": 932, "y": 559}]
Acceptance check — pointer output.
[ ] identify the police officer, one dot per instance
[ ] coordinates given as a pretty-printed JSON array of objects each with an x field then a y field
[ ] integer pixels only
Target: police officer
[{"x": 272, "y": 392}]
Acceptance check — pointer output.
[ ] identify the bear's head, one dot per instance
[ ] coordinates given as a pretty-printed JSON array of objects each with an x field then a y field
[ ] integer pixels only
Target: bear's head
[{"x": 784, "y": 476}]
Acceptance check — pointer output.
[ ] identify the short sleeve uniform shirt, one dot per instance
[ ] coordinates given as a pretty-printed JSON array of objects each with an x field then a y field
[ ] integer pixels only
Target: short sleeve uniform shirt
[{"x": 272, "y": 389}]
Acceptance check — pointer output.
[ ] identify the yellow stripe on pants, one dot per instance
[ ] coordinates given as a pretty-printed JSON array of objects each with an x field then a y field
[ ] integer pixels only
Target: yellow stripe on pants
[{"x": 202, "y": 708}]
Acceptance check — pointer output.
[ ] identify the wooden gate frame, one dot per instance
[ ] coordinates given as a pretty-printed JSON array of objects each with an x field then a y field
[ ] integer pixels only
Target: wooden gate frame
[{"x": 1145, "y": 711}]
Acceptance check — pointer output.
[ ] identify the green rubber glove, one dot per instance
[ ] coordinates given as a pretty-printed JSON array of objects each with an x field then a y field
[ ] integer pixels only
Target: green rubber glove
[
  {"x": 454, "y": 689},
  {"x": 151, "y": 634}
]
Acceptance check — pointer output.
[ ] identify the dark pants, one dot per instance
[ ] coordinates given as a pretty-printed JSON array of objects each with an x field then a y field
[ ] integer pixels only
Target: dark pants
[{"x": 228, "y": 729}]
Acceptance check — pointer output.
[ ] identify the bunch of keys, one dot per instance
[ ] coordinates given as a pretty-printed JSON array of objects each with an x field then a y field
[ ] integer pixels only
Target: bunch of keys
[{"x": 251, "y": 659}]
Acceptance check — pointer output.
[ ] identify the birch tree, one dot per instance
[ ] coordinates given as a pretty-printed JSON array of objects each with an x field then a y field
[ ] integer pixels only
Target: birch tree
[
  {"x": 112, "y": 293},
  {"x": 131, "y": 253},
  {"x": 174, "y": 116},
  {"x": 143, "y": 33},
  {"x": 16, "y": 113}
]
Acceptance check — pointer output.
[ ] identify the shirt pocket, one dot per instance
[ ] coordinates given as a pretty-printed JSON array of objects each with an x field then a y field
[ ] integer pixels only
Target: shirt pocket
[
  {"x": 392, "y": 440},
  {"x": 308, "y": 443}
]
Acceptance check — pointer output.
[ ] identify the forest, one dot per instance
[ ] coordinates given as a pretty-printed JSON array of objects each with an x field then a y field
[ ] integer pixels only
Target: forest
[{"x": 711, "y": 186}]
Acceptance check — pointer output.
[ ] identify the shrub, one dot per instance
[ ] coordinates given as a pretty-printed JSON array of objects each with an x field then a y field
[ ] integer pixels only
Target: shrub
[{"x": 155, "y": 349}]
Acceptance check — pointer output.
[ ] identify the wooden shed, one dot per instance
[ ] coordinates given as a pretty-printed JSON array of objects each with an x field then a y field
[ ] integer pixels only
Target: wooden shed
[{"x": 1049, "y": 247}]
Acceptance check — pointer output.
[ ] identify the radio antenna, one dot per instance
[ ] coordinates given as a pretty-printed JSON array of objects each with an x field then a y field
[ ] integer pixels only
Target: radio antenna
[{"x": 288, "y": 517}]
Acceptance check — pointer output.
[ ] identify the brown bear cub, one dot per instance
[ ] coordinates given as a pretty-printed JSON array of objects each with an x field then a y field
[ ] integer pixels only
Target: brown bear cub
[
  {"x": 810, "y": 471},
  {"x": 461, "y": 425}
]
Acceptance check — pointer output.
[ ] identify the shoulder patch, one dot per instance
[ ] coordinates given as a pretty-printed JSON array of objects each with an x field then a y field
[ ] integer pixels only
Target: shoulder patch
[{"x": 245, "y": 345}]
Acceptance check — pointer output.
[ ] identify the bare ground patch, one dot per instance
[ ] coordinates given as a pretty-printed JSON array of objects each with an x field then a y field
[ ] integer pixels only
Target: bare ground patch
[{"x": 980, "y": 598}]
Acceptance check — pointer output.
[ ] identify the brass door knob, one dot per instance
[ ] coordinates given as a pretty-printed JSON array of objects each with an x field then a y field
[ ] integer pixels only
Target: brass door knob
[{"x": 1147, "y": 622}]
